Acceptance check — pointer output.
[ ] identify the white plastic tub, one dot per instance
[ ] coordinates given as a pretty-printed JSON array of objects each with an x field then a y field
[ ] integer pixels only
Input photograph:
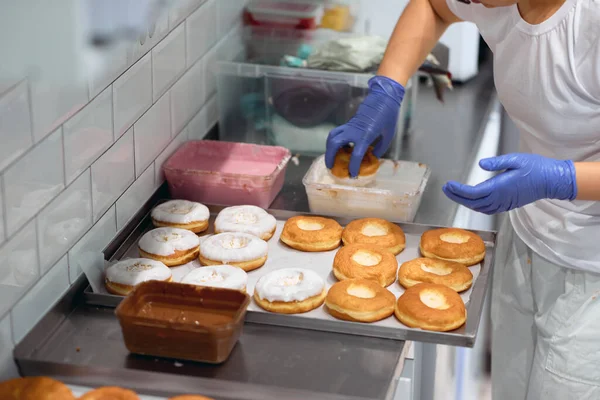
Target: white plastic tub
[{"x": 395, "y": 195}]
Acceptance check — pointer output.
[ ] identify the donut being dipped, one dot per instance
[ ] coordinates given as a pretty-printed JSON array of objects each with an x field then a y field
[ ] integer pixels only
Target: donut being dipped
[
  {"x": 359, "y": 300},
  {"x": 181, "y": 214},
  {"x": 431, "y": 307},
  {"x": 290, "y": 291},
  {"x": 375, "y": 231},
  {"x": 246, "y": 219},
  {"x": 110, "y": 393},
  {"x": 430, "y": 270},
  {"x": 241, "y": 250},
  {"x": 453, "y": 244},
  {"x": 123, "y": 276},
  {"x": 35, "y": 388},
  {"x": 366, "y": 173},
  {"x": 219, "y": 276},
  {"x": 365, "y": 261},
  {"x": 310, "y": 233},
  {"x": 171, "y": 246}
]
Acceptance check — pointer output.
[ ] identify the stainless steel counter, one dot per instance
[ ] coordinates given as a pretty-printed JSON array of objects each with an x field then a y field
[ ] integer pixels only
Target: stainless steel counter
[{"x": 272, "y": 362}]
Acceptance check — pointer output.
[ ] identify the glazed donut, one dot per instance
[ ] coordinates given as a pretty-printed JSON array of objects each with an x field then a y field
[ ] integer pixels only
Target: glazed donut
[
  {"x": 366, "y": 173},
  {"x": 181, "y": 214},
  {"x": 431, "y": 307},
  {"x": 35, "y": 388},
  {"x": 220, "y": 276},
  {"x": 246, "y": 219},
  {"x": 430, "y": 270},
  {"x": 359, "y": 300},
  {"x": 110, "y": 393},
  {"x": 309, "y": 233},
  {"x": 190, "y": 397},
  {"x": 123, "y": 276},
  {"x": 241, "y": 250},
  {"x": 365, "y": 261},
  {"x": 453, "y": 244},
  {"x": 375, "y": 231},
  {"x": 171, "y": 246},
  {"x": 290, "y": 291}
]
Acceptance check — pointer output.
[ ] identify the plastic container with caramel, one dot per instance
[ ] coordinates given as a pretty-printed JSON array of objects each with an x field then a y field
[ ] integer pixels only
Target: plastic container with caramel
[{"x": 185, "y": 322}]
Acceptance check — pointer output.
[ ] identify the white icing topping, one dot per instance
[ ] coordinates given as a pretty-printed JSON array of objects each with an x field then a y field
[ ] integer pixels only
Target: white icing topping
[
  {"x": 366, "y": 258},
  {"x": 361, "y": 180},
  {"x": 289, "y": 284},
  {"x": 308, "y": 225},
  {"x": 374, "y": 230},
  {"x": 441, "y": 271},
  {"x": 360, "y": 291},
  {"x": 245, "y": 219},
  {"x": 180, "y": 212},
  {"x": 454, "y": 238},
  {"x": 166, "y": 241},
  {"x": 233, "y": 247},
  {"x": 137, "y": 270},
  {"x": 433, "y": 300},
  {"x": 222, "y": 276}
]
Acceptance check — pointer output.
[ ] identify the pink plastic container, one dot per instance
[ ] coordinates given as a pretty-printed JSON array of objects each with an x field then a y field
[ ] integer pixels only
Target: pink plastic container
[{"x": 227, "y": 173}]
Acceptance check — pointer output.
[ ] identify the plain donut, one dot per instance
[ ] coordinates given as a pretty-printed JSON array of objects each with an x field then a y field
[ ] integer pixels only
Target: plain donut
[
  {"x": 430, "y": 270},
  {"x": 310, "y": 233},
  {"x": 359, "y": 300},
  {"x": 453, "y": 244},
  {"x": 365, "y": 261},
  {"x": 431, "y": 307},
  {"x": 375, "y": 231}
]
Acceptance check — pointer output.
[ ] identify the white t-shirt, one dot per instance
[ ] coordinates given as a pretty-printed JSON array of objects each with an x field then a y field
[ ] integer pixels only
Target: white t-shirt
[{"x": 548, "y": 79}]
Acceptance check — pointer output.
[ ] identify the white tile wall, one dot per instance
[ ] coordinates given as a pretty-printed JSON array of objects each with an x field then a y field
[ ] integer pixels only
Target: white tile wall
[
  {"x": 15, "y": 125},
  {"x": 112, "y": 174},
  {"x": 8, "y": 368},
  {"x": 95, "y": 240},
  {"x": 33, "y": 181},
  {"x": 187, "y": 96},
  {"x": 152, "y": 133},
  {"x": 132, "y": 95},
  {"x": 201, "y": 31},
  {"x": 159, "y": 177},
  {"x": 88, "y": 134},
  {"x": 64, "y": 220},
  {"x": 18, "y": 266},
  {"x": 53, "y": 103},
  {"x": 168, "y": 61},
  {"x": 135, "y": 197},
  {"x": 2, "y": 232},
  {"x": 46, "y": 292},
  {"x": 73, "y": 148},
  {"x": 229, "y": 15},
  {"x": 181, "y": 10}
]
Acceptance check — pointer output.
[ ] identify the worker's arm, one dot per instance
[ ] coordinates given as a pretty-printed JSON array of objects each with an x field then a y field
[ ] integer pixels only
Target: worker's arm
[
  {"x": 417, "y": 32},
  {"x": 588, "y": 180}
]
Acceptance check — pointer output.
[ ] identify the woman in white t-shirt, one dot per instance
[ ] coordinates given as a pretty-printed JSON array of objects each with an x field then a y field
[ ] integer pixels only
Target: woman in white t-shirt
[{"x": 546, "y": 292}]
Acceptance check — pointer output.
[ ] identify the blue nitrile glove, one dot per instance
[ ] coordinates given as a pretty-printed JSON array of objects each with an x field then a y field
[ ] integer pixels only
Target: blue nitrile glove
[
  {"x": 375, "y": 118},
  {"x": 525, "y": 178}
]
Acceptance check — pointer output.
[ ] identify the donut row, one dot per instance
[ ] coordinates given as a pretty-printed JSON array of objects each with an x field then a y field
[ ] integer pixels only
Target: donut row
[
  {"x": 44, "y": 388},
  {"x": 366, "y": 265},
  {"x": 239, "y": 245}
]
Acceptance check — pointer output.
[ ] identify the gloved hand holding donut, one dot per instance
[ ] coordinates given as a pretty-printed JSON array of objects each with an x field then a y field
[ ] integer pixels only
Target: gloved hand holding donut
[{"x": 375, "y": 119}]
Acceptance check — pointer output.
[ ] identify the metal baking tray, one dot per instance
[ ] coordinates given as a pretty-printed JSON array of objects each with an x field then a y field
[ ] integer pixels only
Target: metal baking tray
[{"x": 319, "y": 319}]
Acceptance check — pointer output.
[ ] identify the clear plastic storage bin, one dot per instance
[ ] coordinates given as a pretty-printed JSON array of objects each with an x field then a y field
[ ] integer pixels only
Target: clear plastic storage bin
[
  {"x": 395, "y": 195},
  {"x": 225, "y": 173},
  {"x": 291, "y": 107}
]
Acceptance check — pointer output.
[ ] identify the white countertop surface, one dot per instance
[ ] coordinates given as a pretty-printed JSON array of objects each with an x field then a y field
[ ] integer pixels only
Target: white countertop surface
[{"x": 79, "y": 391}]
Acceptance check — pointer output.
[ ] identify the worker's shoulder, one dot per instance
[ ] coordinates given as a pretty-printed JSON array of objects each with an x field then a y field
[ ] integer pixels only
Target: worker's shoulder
[{"x": 586, "y": 29}]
